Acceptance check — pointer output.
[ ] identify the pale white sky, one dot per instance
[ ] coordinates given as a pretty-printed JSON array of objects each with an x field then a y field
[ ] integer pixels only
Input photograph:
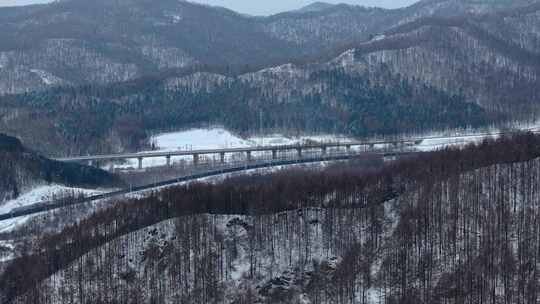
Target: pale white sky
[{"x": 259, "y": 7}]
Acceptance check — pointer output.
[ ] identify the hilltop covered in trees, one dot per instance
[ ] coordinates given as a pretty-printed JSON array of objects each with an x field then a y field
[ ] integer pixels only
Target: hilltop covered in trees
[
  {"x": 22, "y": 169},
  {"x": 455, "y": 226},
  {"x": 95, "y": 120},
  {"x": 435, "y": 66}
]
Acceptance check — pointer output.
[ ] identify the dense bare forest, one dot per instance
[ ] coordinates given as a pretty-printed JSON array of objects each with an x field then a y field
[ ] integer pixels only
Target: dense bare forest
[
  {"x": 109, "y": 83},
  {"x": 456, "y": 226},
  {"x": 95, "y": 120}
]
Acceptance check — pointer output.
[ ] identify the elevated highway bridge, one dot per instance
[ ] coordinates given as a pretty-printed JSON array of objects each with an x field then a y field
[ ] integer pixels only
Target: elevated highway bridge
[
  {"x": 319, "y": 152},
  {"x": 41, "y": 207},
  {"x": 299, "y": 149},
  {"x": 249, "y": 152}
]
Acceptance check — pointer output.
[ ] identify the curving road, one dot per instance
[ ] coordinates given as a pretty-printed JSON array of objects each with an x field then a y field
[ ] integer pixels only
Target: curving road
[
  {"x": 412, "y": 141},
  {"x": 49, "y": 206}
]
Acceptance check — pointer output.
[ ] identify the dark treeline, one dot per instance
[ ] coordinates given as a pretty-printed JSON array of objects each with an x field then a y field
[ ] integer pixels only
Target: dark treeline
[
  {"x": 97, "y": 116},
  {"x": 96, "y": 120},
  {"x": 387, "y": 97},
  {"x": 21, "y": 169},
  {"x": 407, "y": 181}
]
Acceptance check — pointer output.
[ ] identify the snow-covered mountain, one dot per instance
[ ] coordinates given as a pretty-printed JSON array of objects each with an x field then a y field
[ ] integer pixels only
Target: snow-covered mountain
[
  {"x": 79, "y": 42},
  {"x": 441, "y": 64},
  {"x": 450, "y": 227},
  {"x": 432, "y": 73}
]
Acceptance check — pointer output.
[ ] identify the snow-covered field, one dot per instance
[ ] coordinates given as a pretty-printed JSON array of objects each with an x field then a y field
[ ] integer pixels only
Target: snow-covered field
[
  {"x": 220, "y": 138},
  {"x": 198, "y": 139},
  {"x": 439, "y": 143},
  {"x": 439, "y": 140},
  {"x": 36, "y": 195},
  {"x": 216, "y": 138}
]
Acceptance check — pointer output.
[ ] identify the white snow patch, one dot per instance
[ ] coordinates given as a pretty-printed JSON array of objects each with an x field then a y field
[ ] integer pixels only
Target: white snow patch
[
  {"x": 199, "y": 139},
  {"x": 285, "y": 69},
  {"x": 6, "y": 251},
  {"x": 450, "y": 141},
  {"x": 436, "y": 141},
  {"x": 46, "y": 77},
  {"x": 220, "y": 138},
  {"x": 378, "y": 37},
  {"x": 216, "y": 138},
  {"x": 346, "y": 59},
  {"x": 177, "y": 18},
  {"x": 37, "y": 195},
  {"x": 194, "y": 139}
]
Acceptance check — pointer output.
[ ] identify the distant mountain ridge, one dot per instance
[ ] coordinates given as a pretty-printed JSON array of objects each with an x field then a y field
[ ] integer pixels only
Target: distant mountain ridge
[
  {"x": 417, "y": 64},
  {"x": 315, "y": 7},
  {"x": 78, "y": 42}
]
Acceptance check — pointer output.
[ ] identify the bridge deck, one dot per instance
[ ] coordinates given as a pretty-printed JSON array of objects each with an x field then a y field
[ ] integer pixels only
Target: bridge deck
[
  {"x": 273, "y": 148},
  {"x": 54, "y": 205},
  {"x": 209, "y": 151}
]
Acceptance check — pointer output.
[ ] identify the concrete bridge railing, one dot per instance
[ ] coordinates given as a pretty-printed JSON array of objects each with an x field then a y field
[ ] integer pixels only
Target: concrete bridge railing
[{"x": 249, "y": 152}]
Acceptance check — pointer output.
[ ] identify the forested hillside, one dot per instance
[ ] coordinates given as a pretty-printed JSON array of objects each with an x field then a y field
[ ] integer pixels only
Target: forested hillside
[
  {"x": 21, "y": 170},
  {"x": 456, "y": 226},
  {"x": 287, "y": 99},
  {"x": 75, "y": 42},
  {"x": 485, "y": 59},
  {"x": 427, "y": 71},
  {"x": 459, "y": 225}
]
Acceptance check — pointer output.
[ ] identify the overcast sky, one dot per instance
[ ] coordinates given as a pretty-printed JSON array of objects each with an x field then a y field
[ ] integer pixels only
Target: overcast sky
[{"x": 261, "y": 7}]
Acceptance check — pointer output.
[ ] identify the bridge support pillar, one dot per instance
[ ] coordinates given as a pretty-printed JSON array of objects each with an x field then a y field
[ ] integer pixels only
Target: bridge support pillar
[
  {"x": 168, "y": 157},
  {"x": 299, "y": 150},
  {"x": 274, "y": 154},
  {"x": 249, "y": 156},
  {"x": 222, "y": 157},
  {"x": 140, "y": 159},
  {"x": 195, "y": 159}
]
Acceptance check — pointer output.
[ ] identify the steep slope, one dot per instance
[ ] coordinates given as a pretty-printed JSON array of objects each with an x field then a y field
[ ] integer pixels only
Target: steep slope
[
  {"x": 332, "y": 27},
  {"x": 435, "y": 72},
  {"x": 79, "y": 42},
  {"x": 459, "y": 55},
  {"x": 446, "y": 7},
  {"x": 520, "y": 27},
  {"x": 107, "y": 41},
  {"x": 338, "y": 25},
  {"x": 21, "y": 170},
  {"x": 311, "y": 99},
  {"x": 450, "y": 227}
]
